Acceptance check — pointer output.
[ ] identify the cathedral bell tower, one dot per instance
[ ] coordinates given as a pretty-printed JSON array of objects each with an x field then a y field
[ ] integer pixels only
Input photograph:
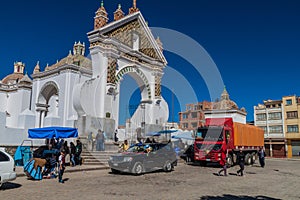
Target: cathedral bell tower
[
  {"x": 101, "y": 18},
  {"x": 133, "y": 9}
]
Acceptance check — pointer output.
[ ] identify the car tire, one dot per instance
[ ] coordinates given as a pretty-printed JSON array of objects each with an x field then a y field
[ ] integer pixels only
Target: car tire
[
  {"x": 168, "y": 166},
  {"x": 138, "y": 168}
]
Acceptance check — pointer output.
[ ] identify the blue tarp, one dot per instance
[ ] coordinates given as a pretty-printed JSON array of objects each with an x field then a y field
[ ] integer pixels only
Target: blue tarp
[
  {"x": 183, "y": 135},
  {"x": 23, "y": 155},
  {"x": 151, "y": 134},
  {"x": 52, "y": 132}
]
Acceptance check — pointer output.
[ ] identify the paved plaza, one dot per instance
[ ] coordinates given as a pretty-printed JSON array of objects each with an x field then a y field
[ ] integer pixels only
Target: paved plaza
[{"x": 278, "y": 180}]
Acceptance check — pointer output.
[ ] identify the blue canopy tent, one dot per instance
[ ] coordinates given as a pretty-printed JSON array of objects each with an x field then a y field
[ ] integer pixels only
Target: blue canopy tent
[
  {"x": 151, "y": 134},
  {"x": 46, "y": 133},
  {"x": 52, "y": 132}
]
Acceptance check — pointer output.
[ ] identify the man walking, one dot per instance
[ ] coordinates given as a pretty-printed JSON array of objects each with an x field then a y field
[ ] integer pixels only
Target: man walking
[
  {"x": 241, "y": 162},
  {"x": 261, "y": 156},
  {"x": 61, "y": 166}
]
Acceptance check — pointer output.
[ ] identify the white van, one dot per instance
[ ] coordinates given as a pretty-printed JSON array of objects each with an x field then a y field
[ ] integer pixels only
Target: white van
[{"x": 7, "y": 167}]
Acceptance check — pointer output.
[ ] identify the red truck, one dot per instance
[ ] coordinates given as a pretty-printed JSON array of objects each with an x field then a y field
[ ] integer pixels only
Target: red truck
[{"x": 222, "y": 135}]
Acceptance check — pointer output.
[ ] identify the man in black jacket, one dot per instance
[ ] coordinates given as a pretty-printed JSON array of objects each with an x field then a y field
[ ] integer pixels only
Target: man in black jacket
[
  {"x": 261, "y": 156},
  {"x": 241, "y": 162}
]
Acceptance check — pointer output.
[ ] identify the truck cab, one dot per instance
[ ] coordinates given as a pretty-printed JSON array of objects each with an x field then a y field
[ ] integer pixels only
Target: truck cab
[{"x": 211, "y": 142}]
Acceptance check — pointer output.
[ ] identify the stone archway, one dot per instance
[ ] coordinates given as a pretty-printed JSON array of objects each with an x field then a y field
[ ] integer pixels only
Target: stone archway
[
  {"x": 47, "y": 102},
  {"x": 139, "y": 77}
]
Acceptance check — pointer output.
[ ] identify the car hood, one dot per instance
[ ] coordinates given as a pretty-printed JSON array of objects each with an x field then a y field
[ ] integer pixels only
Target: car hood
[{"x": 127, "y": 154}]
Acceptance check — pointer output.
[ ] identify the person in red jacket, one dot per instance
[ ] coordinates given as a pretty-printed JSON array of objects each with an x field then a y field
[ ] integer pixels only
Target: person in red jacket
[{"x": 223, "y": 163}]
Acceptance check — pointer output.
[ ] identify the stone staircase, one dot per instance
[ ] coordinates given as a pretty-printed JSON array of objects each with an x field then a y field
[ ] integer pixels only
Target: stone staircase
[{"x": 98, "y": 157}]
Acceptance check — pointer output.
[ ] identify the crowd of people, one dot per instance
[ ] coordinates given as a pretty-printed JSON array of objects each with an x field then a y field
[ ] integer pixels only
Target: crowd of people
[
  {"x": 240, "y": 161},
  {"x": 59, "y": 155}
]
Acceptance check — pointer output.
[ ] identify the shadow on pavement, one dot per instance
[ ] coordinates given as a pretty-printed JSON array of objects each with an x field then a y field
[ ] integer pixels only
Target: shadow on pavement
[
  {"x": 9, "y": 186},
  {"x": 234, "y": 197}
]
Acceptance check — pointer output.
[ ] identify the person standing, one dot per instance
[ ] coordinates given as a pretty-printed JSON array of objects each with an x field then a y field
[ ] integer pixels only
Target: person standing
[
  {"x": 241, "y": 162},
  {"x": 261, "y": 156},
  {"x": 100, "y": 138},
  {"x": 73, "y": 152},
  {"x": 139, "y": 135},
  {"x": 90, "y": 142},
  {"x": 116, "y": 135},
  {"x": 61, "y": 166},
  {"x": 78, "y": 152}
]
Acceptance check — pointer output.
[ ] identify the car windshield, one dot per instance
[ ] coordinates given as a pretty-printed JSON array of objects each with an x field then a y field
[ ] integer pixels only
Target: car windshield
[{"x": 136, "y": 148}]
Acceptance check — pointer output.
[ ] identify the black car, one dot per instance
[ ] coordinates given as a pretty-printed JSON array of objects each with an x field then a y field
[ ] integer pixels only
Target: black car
[{"x": 141, "y": 158}]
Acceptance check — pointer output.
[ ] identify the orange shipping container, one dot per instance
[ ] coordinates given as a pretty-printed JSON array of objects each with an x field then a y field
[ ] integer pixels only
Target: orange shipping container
[{"x": 247, "y": 135}]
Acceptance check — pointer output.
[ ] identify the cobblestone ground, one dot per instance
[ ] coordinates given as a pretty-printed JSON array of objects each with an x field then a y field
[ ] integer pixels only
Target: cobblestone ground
[{"x": 280, "y": 179}]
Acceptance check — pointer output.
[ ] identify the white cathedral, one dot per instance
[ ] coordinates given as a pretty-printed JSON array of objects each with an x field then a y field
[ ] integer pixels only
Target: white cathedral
[{"x": 83, "y": 92}]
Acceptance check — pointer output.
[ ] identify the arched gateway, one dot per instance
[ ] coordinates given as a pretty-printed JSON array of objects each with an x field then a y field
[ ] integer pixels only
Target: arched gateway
[{"x": 124, "y": 46}]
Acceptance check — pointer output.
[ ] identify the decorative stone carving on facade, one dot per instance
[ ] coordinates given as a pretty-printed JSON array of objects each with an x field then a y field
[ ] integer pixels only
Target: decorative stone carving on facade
[
  {"x": 125, "y": 35},
  {"x": 157, "y": 86},
  {"x": 135, "y": 70},
  {"x": 111, "y": 70}
]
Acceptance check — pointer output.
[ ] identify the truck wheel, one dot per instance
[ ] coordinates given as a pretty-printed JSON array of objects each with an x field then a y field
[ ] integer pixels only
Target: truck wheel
[
  {"x": 253, "y": 158},
  {"x": 138, "y": 168},
  {"x": 248, "y": 159},
  {"x": 234, "y": 159},
  {"x": 168, "y": 166},
  {"x": 229, "y": 161}
]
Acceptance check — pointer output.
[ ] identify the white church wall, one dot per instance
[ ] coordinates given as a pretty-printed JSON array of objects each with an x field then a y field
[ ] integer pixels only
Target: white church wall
[
  {"x": 17, "y": 102},
  {"x": 3, "y": 100}
]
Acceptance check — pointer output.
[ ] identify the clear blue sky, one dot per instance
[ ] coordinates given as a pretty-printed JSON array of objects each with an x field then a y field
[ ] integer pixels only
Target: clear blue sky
[{"x": 255, "y": 44}]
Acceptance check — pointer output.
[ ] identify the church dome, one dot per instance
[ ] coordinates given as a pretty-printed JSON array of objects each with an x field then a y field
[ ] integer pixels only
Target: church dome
[
  {"x": 225, "y": 103},
  {"x": 16, "y": 76},
  {"x": 77, "y": 58}
]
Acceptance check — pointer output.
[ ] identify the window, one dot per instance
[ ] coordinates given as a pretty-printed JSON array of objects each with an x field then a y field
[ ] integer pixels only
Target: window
[
  {"x": 275, "y": 129},
  {"x": 194, "y": 125},
  {"x": 185, "y": 116},
  {"x": 260, "y": 117},
  {"x": 276, "y": 115},
  {"x": 292, "y": 129},
  {"x": 3, "y": 157},
  {"x": 264, "y": 128},
  {"x": 185, "y": 125},
  {"x": 292, "y": 114},
  {"x": 289, "y": 102},
  {"x": 194, "y": 115}
]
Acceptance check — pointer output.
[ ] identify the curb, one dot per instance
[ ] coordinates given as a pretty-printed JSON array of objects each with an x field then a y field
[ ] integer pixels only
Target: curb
[{"x": 70, "y": 170}]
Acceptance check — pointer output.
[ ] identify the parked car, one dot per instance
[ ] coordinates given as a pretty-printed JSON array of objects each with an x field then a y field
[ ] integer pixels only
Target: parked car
[
  {"x": 141, "y": 158},
  {"x": 7, "y": 167}
]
